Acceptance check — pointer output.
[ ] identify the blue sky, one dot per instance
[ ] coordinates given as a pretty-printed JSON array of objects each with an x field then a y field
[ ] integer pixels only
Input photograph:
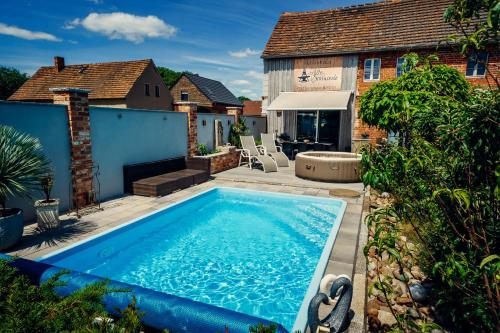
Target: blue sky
[{"x": 218, "y": 39}]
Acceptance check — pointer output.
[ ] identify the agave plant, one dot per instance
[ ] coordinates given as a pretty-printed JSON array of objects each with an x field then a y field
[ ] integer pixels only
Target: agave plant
[{"x": 22, "y": 164}]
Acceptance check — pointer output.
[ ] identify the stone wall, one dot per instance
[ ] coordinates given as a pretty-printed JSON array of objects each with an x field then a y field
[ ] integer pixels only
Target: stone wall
[
  {"x": 224, "y": 160},
  {"x": 76, "y": 101},
  {"x": 191, "y": 108}
]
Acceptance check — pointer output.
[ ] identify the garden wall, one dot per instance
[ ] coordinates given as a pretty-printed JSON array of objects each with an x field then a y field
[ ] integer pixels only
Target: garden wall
[
  {"x": 49, "y": 123},
  {"x": 256, "y": 125},
  {"x": 206, "y": 131},
  {"x": 126, "y": 136}
]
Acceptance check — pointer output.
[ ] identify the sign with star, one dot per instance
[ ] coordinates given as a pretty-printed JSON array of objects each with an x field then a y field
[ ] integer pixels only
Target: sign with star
[{"x": 316, "y": 74}]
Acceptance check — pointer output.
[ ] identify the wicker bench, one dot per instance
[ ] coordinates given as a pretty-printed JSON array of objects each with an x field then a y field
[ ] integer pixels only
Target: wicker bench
[{"x": 158, "y": 178}]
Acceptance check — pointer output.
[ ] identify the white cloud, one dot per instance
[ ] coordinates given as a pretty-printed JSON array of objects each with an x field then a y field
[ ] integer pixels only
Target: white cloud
[
  {"x": 246, "y": 91},
  {"x": 26, "y": 34},
  {"x": 97, "y": 2},
  {"x": 240, "y": 82},
  {"x": 72, "y": 24},
  {"x": 254, "y": 75},
  {"x": 210, "y": 61},
  {"x": 243, "y": 53},
  {"x": 125, "y": 26}
]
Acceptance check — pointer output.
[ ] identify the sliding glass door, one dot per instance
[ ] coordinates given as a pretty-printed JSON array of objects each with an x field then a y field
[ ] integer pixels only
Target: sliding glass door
[
  {"x": 318, "y": 126},
  {"x": 306, "y": 125},
  {"x": 328, "y": 127}
]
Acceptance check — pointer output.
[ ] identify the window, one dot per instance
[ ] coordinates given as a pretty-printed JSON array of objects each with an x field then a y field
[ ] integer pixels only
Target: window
[
  {"x": 399, "y": 66},
  {"x": 146, "y": 89},
  {"x": 372, "y": 69},
  {"x": 157, "y": 91},
  {"x": 184, "y": 96},
  {"x": 476, "y": 65}
]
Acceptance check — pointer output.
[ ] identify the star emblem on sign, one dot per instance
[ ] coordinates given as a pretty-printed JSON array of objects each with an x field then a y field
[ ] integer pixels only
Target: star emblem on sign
[{"x": 304, "y": 77}]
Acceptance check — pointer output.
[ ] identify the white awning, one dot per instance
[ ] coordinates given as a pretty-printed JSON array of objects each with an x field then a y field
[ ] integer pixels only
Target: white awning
[{"x": 311, "y": 100}]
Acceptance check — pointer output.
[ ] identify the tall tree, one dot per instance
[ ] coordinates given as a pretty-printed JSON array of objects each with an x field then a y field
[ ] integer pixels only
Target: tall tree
[
  {"x": 10, "y": 80},
  {"x": 170, "y": 76},
  {"x": 243, "y": 98}
]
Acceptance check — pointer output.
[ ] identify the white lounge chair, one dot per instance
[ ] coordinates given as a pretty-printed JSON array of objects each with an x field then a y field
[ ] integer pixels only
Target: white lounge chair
[
  {"x": 274, "y": 151},
  {"x": 251, "y": 152}
]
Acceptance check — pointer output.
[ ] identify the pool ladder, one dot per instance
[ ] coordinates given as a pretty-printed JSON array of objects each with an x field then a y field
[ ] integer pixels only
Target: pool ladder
[{"x": 338, "y": 295}]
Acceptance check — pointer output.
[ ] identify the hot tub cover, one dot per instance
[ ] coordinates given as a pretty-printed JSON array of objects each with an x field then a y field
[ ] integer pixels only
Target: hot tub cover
[{"x": 311, "y": 100}]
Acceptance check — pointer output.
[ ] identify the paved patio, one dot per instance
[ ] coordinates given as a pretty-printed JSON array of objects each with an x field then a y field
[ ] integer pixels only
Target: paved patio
[{"x": 115, "y": 212}]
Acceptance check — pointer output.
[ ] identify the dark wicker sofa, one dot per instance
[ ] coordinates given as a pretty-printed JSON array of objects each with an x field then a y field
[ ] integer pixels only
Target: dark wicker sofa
[{"x": 158, "y": 178}]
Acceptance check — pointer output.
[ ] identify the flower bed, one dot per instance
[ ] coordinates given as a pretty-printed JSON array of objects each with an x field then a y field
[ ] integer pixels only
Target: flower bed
[{"x": 226, "y": 159}]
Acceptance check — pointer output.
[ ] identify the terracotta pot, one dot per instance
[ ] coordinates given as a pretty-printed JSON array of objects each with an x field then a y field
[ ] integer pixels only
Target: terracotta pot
[
  {"x": 11, "y": 228},
  {"x": 47, "y": 214}
]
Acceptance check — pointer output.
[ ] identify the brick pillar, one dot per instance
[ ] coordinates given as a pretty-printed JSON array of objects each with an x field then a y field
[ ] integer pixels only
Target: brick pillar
[
  {"x": 77, "y": 103},
  {"x": 192, "y": 112},
  {"x": 235, "y": 111}
]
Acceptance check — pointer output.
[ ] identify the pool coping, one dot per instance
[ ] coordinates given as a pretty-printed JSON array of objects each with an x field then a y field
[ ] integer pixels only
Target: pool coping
[
  {"x": 312, "y": 290},
  {"x": 301, "y": 318}
]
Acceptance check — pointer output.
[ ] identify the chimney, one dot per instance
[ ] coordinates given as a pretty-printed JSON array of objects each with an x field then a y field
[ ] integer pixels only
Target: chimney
[{"x": 59, "y": 63}]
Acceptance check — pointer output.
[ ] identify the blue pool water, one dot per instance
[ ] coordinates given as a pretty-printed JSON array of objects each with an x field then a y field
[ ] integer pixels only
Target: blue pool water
[{"x": 248, "y": 251}]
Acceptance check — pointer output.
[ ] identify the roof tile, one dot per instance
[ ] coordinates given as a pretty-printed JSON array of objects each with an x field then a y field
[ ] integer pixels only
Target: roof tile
[
  {"x": 108, "y": 80},
  {"x": 214, "y": 90},
  {"x": 392, "y": 24}
]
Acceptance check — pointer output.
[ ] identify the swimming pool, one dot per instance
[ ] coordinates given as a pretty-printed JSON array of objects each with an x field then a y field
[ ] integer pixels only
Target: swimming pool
[{"x": 254, "y": 252}]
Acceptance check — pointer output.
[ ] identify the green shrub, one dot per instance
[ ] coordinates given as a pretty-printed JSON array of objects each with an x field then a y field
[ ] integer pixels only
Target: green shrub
[
  {"x": 235, "y": 130},
  {"x": 202, "y": 149},
  {"x": 444, "y": 180},
  {"x": 444, "y": 176}
]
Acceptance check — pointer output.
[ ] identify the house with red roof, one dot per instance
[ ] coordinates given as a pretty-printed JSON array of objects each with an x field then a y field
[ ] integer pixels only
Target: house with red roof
[
  {"x": 317, "y": 64},
  {"x": 125, "y": 84}
]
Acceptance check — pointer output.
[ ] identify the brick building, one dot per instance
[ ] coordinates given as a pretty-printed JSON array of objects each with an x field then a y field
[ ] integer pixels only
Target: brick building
[
  {"x": 252, "y": 108},
  {"x": 122, "y": 84},
  {"x": 317, "y": 64},
  {"x": 210, "y": 95}
]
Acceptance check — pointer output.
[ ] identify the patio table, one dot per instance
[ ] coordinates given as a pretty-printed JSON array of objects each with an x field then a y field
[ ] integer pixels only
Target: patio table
[{"x": 292, "y": 148}]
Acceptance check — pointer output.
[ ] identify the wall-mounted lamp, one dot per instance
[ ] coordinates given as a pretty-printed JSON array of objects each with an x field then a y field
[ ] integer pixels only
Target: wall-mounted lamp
[
  {"x": 204, "y": 122},
  {"x": 229, "y": 122},
  {"x": 253, "y": 123},
  {"x": 119, "y": 116},
  {"x": 164, "y": 117}
]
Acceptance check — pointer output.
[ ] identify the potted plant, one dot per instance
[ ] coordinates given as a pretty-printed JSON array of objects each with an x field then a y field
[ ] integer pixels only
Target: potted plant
[
  {"x": 22, "y": 163},
  {"x": 359, "y": 143},
  {"x": 47, "y": 210}
]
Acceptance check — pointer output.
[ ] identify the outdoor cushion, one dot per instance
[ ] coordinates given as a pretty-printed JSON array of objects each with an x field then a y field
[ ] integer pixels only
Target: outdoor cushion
[{"x": 166, "y": 176}]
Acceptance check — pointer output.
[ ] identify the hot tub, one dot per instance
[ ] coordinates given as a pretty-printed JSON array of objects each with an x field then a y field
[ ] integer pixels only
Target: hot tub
[{"x": 328, "y": 166}]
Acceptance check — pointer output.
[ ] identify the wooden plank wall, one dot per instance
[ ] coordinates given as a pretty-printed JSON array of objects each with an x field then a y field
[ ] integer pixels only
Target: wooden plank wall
[{"x": 278, "y": 77}]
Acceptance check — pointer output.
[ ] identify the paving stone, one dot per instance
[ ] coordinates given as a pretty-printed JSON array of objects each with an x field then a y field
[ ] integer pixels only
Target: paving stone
[{"x": 337, "y": 268}]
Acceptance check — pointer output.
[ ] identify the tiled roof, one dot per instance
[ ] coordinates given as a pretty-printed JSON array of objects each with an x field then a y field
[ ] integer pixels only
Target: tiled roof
[
  {"x": 105, "y": 80},
  {"x": 392, "y": 24},
  {"x": 214, "y": 90},
  {"x": 252, "y": 108}
]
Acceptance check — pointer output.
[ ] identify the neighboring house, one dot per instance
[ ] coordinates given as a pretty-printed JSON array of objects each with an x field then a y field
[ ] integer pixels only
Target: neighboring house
[
  {"x": 125, "y": 84},
  {"x": 252, "y": 108},
  {"x": 211, "y": 95},
  {"x": 314, "y": 60}
]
